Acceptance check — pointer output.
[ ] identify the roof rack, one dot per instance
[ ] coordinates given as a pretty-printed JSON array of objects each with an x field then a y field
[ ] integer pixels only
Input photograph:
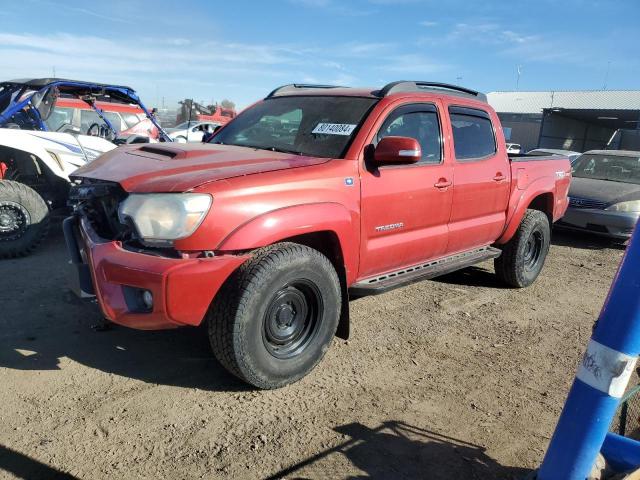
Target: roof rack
[
  {"x": 294, "y": 86},
  {"x": 420, "y": 86}
]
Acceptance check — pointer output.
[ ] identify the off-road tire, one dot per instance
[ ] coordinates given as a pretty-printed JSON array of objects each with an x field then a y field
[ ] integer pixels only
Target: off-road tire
[
  {"x": 38, "y": 225},
  {"x": 240, "y": 313},
  {"x": 516, "y": 266}
]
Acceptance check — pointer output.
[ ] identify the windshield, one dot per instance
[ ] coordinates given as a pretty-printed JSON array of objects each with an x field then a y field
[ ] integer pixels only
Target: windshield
[
  {"x": 321, "y": 126},
  {"x": 615, "y": 168}
]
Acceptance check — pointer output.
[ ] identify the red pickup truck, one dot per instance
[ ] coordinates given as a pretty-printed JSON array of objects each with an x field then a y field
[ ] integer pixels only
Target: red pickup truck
[{"x": 312, "y": 196}]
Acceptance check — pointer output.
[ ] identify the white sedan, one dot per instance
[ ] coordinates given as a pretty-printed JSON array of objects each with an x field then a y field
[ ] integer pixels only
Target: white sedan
[{"x": 191, "y": 131}]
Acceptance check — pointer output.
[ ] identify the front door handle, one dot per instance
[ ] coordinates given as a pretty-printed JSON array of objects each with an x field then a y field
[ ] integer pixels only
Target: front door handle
[
  {"x": 442, "y": 183},
  {"x": 499, "y": 177}
]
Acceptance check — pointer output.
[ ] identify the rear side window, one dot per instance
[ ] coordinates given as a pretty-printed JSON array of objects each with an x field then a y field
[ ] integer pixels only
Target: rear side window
[
  {"x": 473, "y": 136},
  {"x": 130, "y": 119},
  {"x": 419, "y": 122}
]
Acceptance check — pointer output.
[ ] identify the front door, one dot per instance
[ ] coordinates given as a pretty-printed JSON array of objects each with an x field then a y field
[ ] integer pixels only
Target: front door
[{"x": 405, "y": 208}]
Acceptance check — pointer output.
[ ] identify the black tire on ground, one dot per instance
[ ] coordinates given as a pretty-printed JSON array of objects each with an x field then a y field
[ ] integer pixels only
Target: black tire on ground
[
  {"x": 523, "y": 256},
  {"x": 24, "y": 219},
  {"x": 275, "y": 317}
]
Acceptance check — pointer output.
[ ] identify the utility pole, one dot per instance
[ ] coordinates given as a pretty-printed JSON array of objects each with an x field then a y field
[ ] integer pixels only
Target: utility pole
[{"x": 54, "y": 71}]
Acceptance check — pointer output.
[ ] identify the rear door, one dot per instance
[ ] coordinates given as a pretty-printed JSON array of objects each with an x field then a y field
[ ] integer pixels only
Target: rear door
[
  {"x": 405, "y": 208},
  {"x": 481, "y": 179}
]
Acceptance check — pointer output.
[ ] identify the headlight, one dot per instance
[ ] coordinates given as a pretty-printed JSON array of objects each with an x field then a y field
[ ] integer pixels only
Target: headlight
[
  {"x": 632, "y": 206},
  {"x": 161, "y": 217}
]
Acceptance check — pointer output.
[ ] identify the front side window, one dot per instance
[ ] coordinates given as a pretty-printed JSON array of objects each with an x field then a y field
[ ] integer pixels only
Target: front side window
[
  {"x": 318, "y": 126},
  {"x": 473, "y": 136},
  {"x": 419, "y": 122},
  {"x": 59, "y": 117}
]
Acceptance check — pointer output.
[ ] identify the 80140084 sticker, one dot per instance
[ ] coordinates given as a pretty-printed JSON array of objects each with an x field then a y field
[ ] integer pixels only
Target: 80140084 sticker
[{"x": 334, "y": 129}]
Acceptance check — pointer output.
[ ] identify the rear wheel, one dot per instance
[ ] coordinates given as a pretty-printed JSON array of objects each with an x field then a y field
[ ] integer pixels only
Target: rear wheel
[
  {"x": 273, "y": 320},
  {"x": 523, "y": 256},
  {"x": 24, "y": 219}
]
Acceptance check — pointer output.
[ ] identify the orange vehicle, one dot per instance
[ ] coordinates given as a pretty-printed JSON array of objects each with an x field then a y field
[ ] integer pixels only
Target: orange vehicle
[
  {"x": 73, "y": 114},
  {"x": 191, "y": 111},
  {"x": 308, "y": 198}
]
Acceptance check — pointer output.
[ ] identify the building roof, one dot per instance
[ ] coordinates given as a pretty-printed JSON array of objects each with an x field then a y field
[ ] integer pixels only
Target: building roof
[{"x": 535, "y": 102}]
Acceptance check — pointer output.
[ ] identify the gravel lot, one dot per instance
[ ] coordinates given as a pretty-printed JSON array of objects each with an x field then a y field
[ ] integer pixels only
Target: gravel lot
[{"x": 448, "y": 379}]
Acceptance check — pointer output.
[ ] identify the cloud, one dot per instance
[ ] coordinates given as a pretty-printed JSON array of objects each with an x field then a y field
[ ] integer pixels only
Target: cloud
[
  {"x": 428, "y": 23},
  {"x": 86, "y": 12}
]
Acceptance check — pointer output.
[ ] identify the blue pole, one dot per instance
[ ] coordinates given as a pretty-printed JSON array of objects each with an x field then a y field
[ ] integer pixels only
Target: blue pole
[{"x": 602, "y": 377}]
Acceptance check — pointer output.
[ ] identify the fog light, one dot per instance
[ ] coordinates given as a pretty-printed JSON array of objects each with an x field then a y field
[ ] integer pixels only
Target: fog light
[{"x": 147, "y": 299}]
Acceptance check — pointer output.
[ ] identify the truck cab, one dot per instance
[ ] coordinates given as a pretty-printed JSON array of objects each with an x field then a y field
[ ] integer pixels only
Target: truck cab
[{"x": 312, "y": 196}]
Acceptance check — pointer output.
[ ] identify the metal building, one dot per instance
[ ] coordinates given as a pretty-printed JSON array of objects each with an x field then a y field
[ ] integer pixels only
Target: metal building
[{"x": 570, "y": 120}]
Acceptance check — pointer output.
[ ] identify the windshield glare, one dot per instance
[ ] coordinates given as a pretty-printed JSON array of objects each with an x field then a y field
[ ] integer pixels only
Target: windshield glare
[
  {"x": 615, "y": 168},
  {"x": 319, "y": 126}
]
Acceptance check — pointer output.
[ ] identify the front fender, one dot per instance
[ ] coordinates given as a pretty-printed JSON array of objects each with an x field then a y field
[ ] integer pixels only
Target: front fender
[
  {"x": 283, "y": 223},
  {"x": 520, "y": 200}
]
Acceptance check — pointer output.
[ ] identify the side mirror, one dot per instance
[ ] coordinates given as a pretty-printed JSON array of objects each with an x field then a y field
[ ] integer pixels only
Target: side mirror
[{"x": 397, "y": 150}]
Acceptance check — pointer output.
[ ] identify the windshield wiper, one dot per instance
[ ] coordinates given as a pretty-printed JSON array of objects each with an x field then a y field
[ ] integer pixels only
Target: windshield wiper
[
  {"x": 273, "y": 149},
  {"x": 284, "y": 150}
]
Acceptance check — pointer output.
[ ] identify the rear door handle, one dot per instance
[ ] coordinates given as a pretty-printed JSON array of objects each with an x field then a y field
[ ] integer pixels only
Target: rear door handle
[
  {"x": 499, "y": 177},
  {"x": 442, "y": 183}
]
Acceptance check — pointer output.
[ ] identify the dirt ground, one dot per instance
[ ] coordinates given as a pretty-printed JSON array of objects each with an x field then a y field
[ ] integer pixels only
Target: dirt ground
[{"x": 458, "y": 378}]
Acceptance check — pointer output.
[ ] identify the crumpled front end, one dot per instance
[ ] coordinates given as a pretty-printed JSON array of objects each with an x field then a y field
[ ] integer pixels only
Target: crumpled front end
[{"x": 135, "y": 286}]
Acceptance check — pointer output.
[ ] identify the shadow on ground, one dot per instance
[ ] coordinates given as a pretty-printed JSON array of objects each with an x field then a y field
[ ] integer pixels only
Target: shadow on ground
[
  {"x": 42, "y": 322},
  {"x": 401, "y": 451},
  {"x": 23, "y": 466},
  {"x": 584, "y": 240}
]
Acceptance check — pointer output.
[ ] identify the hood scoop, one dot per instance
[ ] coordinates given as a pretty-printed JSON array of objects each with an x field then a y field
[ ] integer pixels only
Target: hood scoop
[{"x": 159, "y": 151}]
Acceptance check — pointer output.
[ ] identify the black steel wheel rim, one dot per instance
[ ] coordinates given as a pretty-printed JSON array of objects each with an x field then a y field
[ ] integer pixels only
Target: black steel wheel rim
[
  {"x": 14, "y": 220},
  {"x": 292, "y": 319},
  {"x": 533, "y": 250}
]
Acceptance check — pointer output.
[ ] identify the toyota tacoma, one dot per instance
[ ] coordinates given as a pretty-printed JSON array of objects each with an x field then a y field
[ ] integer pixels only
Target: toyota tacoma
[{"x": 312, "y": 196}]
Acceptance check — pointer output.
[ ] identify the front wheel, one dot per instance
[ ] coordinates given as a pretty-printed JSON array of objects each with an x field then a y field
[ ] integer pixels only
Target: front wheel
[
  {"x": 24, "y": 219},
  {"x": 523, "y": 256},
  {"x": 273, "y": 320}
]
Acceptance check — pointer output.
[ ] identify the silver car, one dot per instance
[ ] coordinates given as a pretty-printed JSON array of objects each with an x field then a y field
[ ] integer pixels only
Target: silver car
[
  {"x": 191, "y": 131},
  {"x": 604, "y": 197}
]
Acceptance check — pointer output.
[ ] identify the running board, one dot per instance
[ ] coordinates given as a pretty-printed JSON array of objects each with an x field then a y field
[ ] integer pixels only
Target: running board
[{"x": 423, "y": 271}]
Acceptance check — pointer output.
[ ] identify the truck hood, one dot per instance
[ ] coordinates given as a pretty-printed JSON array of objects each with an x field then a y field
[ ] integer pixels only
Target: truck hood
[
  {"x": 604, "y": 190},
  {"x": 182, "y": 167}
]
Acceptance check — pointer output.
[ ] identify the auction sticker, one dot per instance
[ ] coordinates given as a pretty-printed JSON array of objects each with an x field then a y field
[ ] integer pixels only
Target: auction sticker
[{"x": 334, "y": 128}]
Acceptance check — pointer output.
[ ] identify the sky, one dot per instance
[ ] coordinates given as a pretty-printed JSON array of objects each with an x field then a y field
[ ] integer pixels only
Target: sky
[{"x": 240, "y": 50}]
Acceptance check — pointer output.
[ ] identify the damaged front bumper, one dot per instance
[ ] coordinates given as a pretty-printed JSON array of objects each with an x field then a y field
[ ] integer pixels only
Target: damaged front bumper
[{"x": 142, "y": 290}]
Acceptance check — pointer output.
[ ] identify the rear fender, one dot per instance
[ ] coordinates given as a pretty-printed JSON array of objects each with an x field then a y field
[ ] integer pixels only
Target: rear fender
[
  {"x": 284, "y": 223},
  {"x": 523, "y": 199}
]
